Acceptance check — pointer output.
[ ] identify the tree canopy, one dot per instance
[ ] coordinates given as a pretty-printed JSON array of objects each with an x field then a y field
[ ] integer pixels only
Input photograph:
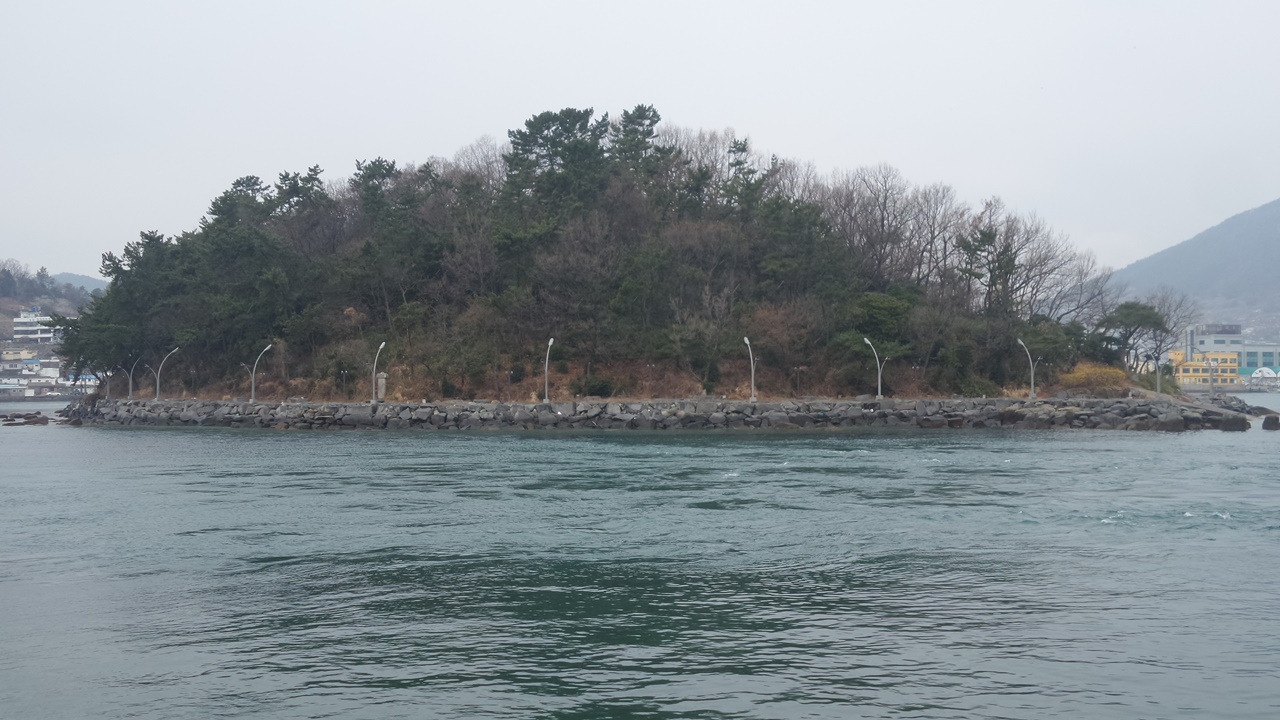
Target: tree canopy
[{"x": 628, "y": 241}]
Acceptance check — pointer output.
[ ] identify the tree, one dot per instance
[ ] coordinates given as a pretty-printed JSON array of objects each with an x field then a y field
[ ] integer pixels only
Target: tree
[
  {"x": 1127, "y": 324},
  {"x": 633, "y": 143},
  {"x": 44, "y": 281},
  {"x": 557, "y": 165},
  {"x": 1178, "y": 311},
  {"x": 8, "y": 283}
]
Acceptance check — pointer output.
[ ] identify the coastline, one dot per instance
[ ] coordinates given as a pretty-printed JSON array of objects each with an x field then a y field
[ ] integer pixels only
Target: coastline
[{"x": 1167, "y": 415}]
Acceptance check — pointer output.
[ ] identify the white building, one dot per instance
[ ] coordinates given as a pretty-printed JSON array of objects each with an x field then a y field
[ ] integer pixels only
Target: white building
[{"x": 29, "y": 327}]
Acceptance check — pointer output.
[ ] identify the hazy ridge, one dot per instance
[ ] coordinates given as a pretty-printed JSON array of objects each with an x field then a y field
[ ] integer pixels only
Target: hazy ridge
[{"x": 1229, "y": 268}]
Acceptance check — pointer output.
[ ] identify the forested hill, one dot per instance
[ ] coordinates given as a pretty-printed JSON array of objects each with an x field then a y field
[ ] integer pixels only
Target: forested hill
[
  {"x": 21, "y": 289},
  {"x": 1234, "y": 260},
  {"x": 639, "y": 247}
]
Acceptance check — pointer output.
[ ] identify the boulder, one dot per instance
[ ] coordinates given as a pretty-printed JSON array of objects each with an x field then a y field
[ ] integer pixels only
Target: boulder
[
  {"x": 776, "y": 419},
  {"x": 1234, "y": 423},
  {"x": 1271, "y": 422}
]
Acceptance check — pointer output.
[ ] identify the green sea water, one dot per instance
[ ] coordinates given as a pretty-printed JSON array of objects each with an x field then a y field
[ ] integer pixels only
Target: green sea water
[{"x": 200, "y": 572}]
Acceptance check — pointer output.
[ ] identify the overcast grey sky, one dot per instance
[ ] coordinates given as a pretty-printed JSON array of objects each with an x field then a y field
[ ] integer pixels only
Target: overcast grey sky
[{"x": 1130, "y": 126}]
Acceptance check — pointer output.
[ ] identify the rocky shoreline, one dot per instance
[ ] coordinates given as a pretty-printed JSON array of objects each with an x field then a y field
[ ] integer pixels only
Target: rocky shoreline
[
  {"x": 23, "y": 419},
  {"x": 701, "y": 414}
]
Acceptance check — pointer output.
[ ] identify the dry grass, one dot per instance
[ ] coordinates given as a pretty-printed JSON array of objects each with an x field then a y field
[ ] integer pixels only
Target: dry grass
[{"x": 1091, "y": 376}]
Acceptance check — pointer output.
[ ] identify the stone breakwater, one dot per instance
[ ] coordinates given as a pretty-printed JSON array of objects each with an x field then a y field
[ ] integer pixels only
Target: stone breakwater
[
  {"x": 20, "y": 419},
  {"x": 1126, "y": 414}
]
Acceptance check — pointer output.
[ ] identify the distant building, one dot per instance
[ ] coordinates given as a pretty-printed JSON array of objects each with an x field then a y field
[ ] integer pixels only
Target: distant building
[
  {"x": 14, "y": 355},
  {"x": 1202, "y": 370},
  {"x": 1219, "y": 338},
  {"x": 30, "y": 326},
  {"x": 34, "y": 377}
]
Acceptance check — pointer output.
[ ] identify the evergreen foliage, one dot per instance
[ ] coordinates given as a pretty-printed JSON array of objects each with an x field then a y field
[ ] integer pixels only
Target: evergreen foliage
[{"x": 623, "y": 239}]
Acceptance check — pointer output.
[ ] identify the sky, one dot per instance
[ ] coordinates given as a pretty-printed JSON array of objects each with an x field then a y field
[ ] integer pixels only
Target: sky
[{"x": 1127, "y": 126}]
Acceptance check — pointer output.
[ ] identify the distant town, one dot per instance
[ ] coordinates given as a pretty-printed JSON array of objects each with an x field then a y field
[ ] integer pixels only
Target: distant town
[{"x": 30, "y": 367}]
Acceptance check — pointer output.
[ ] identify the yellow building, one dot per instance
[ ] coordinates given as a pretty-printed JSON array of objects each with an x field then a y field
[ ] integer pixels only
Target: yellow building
[{"x": 1215, "y": 368}]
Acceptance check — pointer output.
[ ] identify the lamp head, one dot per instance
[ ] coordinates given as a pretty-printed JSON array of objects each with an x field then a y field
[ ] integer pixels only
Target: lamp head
[
  {"x": 384, "y": 344},
  {"x": 550, "y": 342},
  {"x": 745, "y": 340},
  {"x": 866, "y": 341},
  {"x": 268, "y": 347},
  {"x": 1021, "y": 343}
]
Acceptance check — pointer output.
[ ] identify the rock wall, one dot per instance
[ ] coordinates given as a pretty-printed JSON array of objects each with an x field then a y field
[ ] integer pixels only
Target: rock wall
[{"x": 1127, "y": 414}]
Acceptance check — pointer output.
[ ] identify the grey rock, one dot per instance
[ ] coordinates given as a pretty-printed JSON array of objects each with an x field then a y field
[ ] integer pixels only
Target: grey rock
[{"x": 1234, "y": 422}]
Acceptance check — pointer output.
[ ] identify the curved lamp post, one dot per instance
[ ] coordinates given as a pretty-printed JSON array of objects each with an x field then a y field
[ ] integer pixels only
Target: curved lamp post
[
  {"x": 1032, "y": 363},
  {"x": 751, "y": 356},
  {"x": 374, "y": 392},
  {"x": 879, "y": 368},
  {"x": 253, "y": 375},
  {"x": 166, "y": 357},
  {"x": 131, "y": 369},
  {"x": 546, "y": 373}
]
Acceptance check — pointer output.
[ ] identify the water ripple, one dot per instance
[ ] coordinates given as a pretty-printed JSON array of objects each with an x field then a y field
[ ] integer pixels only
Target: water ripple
[{"x": 640, "y": 575}]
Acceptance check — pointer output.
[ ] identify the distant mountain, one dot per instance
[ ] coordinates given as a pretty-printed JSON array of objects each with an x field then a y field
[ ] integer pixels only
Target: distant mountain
[
  {"x": 1231, "y": 269},
  {"x": 84, "y": 281},
  {"x": 1237, "y": 259}
]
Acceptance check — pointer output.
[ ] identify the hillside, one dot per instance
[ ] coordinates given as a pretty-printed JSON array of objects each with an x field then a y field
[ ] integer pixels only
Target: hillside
[
  {"x": 20, "y": 289},
  {"x": 642, "y": 250},
  {"x": 1226, "y": 265},
  {"x": 83, "y": 281}
]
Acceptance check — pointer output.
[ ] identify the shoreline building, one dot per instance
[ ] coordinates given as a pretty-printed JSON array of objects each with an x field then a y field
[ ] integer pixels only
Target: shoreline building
[
  {"x": 1219, "y": 352},
  {"x": 1205, "y": 369},
  {"x": 30, "y": 326}
]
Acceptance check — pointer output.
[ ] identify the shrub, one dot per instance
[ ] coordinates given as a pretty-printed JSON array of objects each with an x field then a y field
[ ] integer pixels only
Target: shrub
[
  {"x": 596, "y": 386},
  {"x": 1090, "y": 376},
  {"x": 517, "y": 373},
  {"x": 974, "y": 386},
  {"x": 1167, "y": 383}
]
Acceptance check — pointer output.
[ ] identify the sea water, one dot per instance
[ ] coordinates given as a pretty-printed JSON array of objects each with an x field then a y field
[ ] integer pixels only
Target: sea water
[{"x": 201, "y": 572}]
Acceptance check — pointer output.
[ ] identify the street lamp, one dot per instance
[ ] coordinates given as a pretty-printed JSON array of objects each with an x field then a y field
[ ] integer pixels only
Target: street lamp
[
  {"x": 166, "y": 357},
  {"x": 1150, "y": 357},
  {"x": 131, "y": 369},
  {"x": 1032, "y": 363},
  {"x": 374, "y": 396},
  {"x": 751, "y": 356},
  {"x": 879, "y": 368},
  {"x": 546, "y": 373},
  {"x": 253, "y": 375}
]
